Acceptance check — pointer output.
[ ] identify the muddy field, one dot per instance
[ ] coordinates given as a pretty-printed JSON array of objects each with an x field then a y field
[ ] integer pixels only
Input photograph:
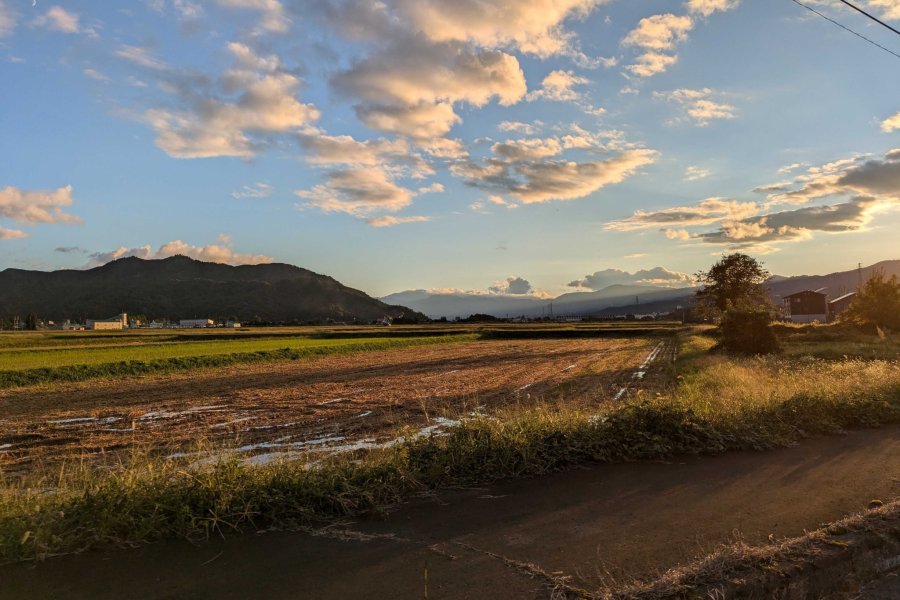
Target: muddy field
[{"x": 307, "y": 408}]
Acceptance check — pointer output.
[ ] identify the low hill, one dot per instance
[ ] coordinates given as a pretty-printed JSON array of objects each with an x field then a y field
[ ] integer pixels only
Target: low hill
[{"x": 180, "y": 287}]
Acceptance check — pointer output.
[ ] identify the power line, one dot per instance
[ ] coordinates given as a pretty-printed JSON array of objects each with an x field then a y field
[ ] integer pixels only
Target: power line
[
  {"x": 844, "y": 27},
  {"x": 874, "y": 18}
]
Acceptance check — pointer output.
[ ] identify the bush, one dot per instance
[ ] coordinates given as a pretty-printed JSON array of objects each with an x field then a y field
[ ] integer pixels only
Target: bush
[{"x": 748, "y": 331}]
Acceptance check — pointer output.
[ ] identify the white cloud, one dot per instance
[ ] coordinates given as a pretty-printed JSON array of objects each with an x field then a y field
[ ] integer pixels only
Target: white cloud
[
  {"x": 59, "y": 19},
  {"x": 95, "y": 75},
  {"x": 422, "y": 121},
  {"x": 531, "y": 26},
  {"x": 218, "y": 253},
  {"x": 11, "y": 234},
  {"x": 695, "y": 173},
  {"x": 273, "y": 19},
  {"x": 706, "y": 212},
  {"x": 258, "y": 190},
  {"x": 408, "y": 74},
  {"x": 657, "y": 276},
  {"x": 888, "y": 9},
  {"x": 698, "y": 106},
  {"x": 358, "y": 192},
  {"x": 559, "y": 86},
  {"x": 655, "y": 36},
  {"x": 891, "y": 123},
  {"x": 567, "y": 180},
  {"x": 519, "y": 127},
  {"x": 141, "y": 56},
  {"x": 705, "y": 8},
  {"x": 527, "y": 149},
  {"x": 392, "y": 155},
  {"x": 36, "y": 207},
  {"x": 512, "y": 286},
  {"x": 212, "y": 126},
  {"x": 390, "y": 220}
]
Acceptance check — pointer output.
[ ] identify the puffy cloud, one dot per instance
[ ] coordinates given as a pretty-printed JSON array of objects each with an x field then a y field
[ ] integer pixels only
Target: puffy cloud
[
  {"x": 258, "y": 190},
  {"x": 218, "y": 253},
  {"x": 558, "y": 86},
  {"x": 698, "y": 105},
  {"x": 527, "y": 149},
  {"x": 212, "y": 126},
  {"x": 273, "y": 19},
  {"x": 531, "y": 26},
  {"x": 393, "y": 155},
  {"x": 889, "y": 9},
  {"x": 711, "y": 210},
  {"x": 7, "y": 20},
  {"x": 799, "y": 224},
  {"x": 518, "y": 127},
  {"x": 410, "y": 73},
  {"x": 567, "y": 180},
  {"x": 705, "y": 8},
  {"x": 891, "y": 123},
  {"x": 657, "y": 276},
  {"x": 390, "y": 220},
  {"x": 59, "y": 19},
  {"x": 423, "y": 121},
  {"x": 512, "y": 286},
  {"x": 38, "y": 206},
  {"x": 654, "y": 36},
  {"x": 358, "y": 192},
  {"x": 695, "y": 173}
]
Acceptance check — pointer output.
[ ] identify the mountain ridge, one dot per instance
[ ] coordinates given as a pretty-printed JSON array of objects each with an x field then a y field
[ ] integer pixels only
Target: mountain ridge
[{"x": 181, "y": 287}]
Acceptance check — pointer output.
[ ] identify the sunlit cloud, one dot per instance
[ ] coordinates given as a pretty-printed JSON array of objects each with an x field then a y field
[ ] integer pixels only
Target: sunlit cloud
[
  {"x": 657, "y": 276},
  {"x": 217, "y": 253},
  {"x": 698, "y": 105}
]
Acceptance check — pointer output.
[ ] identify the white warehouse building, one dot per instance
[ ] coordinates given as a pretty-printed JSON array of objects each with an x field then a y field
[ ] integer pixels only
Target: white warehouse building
[{"x": 194, "y": 323}]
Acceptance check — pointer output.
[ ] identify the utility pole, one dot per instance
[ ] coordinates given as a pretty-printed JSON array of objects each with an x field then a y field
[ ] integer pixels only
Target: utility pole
[{"x": 859, "y": 271}]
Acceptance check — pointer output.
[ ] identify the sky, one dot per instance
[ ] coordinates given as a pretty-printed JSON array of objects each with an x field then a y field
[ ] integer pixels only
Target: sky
[{"x": 498, "y": 146}]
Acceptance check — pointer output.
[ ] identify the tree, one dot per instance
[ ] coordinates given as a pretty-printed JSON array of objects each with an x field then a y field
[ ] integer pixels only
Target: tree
[
  {"x": 31, "y": 322},
  {"x": 877, "y": 303},
  {"x": 735, "y": 281}
]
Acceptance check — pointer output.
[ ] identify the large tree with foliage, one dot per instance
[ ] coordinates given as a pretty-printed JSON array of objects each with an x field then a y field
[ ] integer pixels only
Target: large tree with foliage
[
  {"x": 735, "y": 281},
  {"x": 877, "y": 303}
]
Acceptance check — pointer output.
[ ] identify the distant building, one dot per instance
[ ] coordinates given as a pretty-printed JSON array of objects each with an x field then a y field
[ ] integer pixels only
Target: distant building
[
  {"x": 839, "y": 305},
  {"x": 194, "y": 323},
  {"x": 232, "y": 325},
  {"x": 806, "y": 307},
  {"x": 117, "y": 322}
]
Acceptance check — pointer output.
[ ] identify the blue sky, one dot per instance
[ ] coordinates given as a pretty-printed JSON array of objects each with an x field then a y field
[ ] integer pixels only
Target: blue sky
[{"x": 426, "y": 144}]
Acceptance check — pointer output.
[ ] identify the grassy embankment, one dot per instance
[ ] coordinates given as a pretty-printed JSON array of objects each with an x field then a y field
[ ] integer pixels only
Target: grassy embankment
[{"x": 718, "y": 404}]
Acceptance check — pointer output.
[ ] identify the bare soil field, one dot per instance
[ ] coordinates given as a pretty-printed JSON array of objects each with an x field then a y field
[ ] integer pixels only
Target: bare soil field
[{"x": 292, "y": 409}]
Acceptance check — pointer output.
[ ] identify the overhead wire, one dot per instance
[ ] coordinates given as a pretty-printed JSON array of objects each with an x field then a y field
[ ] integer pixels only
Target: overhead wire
[
  {"x": 873, "y": 17},
  {"x": 844, "y": 27}
]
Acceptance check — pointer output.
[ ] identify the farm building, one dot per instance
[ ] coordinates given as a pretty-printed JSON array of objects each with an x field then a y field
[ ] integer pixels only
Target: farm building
[
  {"x": 806, "y": 307},
  {"x": 839, "y": 305},
  {"x": 117, "y": 322},
  {"x": 193, "y": 323}
]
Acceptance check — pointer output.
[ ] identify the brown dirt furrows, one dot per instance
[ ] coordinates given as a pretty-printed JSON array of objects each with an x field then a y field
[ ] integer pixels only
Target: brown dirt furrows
[{"x": 308, "y": 404}]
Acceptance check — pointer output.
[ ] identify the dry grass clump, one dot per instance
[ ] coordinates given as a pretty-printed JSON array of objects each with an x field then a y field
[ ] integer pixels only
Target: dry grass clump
[{"x": 836, "y": 558}]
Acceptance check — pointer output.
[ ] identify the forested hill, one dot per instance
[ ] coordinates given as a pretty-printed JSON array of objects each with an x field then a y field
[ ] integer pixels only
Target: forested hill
[{"x": 180, "y": 287}]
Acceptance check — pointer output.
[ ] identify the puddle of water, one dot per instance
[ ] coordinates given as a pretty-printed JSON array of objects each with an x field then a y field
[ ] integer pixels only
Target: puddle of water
[
  {"x": 232, "y": 422},
  {"x": 365, "y": 414},
  {"x": 73, "y": 420}
]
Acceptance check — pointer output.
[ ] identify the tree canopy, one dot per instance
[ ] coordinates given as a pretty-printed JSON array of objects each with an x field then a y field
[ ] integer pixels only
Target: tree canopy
[
  {"x": 735, "y": 281},
  {"x": 877, "y": 303}
]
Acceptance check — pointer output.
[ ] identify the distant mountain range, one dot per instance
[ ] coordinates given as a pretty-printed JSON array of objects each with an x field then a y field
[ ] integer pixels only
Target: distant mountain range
[
  {"x": 181, "y": 288},
  {"x": 617, "y": 300}
]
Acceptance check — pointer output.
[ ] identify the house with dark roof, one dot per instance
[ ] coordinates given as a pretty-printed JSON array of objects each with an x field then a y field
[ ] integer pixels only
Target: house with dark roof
[{"x": 806, "y": 307}]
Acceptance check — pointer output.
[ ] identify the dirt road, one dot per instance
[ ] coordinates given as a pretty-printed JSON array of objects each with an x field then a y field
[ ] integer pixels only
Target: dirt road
[
  {"x": 514, "y": 540},
  {"x": 295, "y": 407}
]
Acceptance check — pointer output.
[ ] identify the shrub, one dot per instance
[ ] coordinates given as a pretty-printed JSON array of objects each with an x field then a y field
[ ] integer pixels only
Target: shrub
[{"x": 748, "y": 331}]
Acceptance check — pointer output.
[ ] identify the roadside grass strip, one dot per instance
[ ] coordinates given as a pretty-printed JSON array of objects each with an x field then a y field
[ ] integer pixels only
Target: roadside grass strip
[{"x": 150, "y": 500}]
